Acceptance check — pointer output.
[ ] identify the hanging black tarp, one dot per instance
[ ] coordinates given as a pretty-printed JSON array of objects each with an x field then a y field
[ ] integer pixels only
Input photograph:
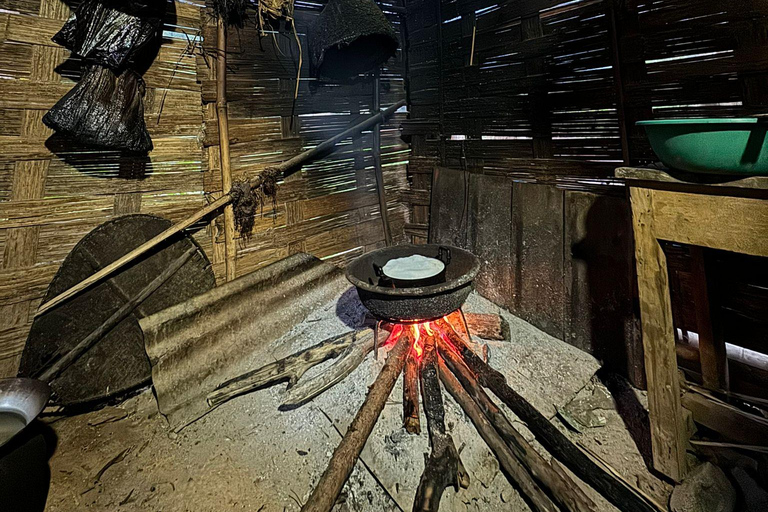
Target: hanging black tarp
[
  {"x": 349, "y": 38},
  {"x": 112, "y": 32},
  {"x": 104, "y": 109}
]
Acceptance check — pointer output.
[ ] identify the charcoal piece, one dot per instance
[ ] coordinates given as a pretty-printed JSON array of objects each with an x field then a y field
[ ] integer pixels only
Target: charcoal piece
[
  {"x": 105, "y": 110},
  {"x": 112, "y": 33}
]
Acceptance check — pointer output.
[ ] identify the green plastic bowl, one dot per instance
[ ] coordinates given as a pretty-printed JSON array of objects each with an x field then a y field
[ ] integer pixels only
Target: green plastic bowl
[{"x": 712, "y": 146}]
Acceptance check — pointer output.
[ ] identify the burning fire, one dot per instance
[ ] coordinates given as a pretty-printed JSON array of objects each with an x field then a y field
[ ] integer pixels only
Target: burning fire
[{"x": 419, "y": 331}]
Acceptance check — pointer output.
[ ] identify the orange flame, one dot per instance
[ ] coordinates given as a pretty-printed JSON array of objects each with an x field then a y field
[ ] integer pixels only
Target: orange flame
[
  {"x": 418, "y": 350},
  {"x": 418, "y": 331}
]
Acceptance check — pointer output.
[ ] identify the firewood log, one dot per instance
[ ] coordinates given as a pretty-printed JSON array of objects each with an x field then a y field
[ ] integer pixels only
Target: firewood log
[{"x": 443, "y": 467}]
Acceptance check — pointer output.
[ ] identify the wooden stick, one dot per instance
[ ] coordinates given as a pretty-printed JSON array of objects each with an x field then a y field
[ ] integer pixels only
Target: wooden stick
[
  {"x": 124, "y": 260},
  {"x": 345, "y": 364},
  {"x": 346, "y": 454},
  {"x": 614, "y": 490},
  {"x": 222, "y": 117},
  {"x": 550, "y": 475},
  {"x": 411, "y": 420},
  {"x": 515, "y": 471},
  {"x": 289, "y": 368},
  {"x": 224, "y": 200},
  {"x": 488, "y": 326},
  {"x": 376, "y": 154},
  {"x": 118, "y": 316},
  {"x": 443, "y": 467}
]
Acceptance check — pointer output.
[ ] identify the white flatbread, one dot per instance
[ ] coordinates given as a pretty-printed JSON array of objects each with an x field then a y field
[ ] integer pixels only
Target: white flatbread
[{"x": 413, "y": 267}]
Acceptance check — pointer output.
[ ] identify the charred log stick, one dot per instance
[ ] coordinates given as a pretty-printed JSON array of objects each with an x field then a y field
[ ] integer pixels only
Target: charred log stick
[
  {"x": 488, "y": 326},
  {"x": 612, "y": 488},
  {"x": 411, "y": 420},
  {"x": 515, "y": 471},
  {"x": 550, "y": 475},
  {"x": 290, "y": 368},
  {"x": 346, "y": 454},
  {"x": 443, "y": 467},
  {"x": 350, "y": 358}
]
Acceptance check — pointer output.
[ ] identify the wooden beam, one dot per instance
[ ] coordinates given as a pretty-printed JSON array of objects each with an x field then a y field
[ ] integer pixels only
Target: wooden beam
[
  {"x": 668, "y": 432},
  {"x": 733, "y": 423},
  {"x": 714, "y": 361}
]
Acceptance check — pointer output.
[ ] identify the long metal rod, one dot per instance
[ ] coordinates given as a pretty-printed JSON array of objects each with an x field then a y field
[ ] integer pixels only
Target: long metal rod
[
  {"x": 376, "y": 152},
  {"x": 224, "y": 200}
]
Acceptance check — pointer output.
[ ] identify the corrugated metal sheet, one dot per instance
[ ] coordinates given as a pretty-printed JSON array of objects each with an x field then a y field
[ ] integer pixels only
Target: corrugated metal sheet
[{"x": 196, "y": 345}]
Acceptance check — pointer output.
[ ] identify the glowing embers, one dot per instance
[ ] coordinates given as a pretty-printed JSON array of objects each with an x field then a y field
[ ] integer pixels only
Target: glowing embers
[{"x": 419, "y": 332}]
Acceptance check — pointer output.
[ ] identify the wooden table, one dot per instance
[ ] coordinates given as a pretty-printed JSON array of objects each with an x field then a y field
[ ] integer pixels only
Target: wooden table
[{"x": 731, "y": 216}]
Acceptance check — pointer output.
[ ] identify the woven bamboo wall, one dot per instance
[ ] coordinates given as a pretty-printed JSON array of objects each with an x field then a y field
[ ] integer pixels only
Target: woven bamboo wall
[
  {"x": 528, "y": 106},
  {"x": 49, "y": 201},
  {"x": 329, "y": 209}
]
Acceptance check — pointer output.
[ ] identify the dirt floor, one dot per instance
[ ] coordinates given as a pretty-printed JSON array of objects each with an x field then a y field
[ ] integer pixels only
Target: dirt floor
[{"x": 247, "y": 455}]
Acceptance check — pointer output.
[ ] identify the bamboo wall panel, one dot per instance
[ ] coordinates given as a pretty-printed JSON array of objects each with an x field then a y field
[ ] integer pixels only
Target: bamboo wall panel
[
  {"x": 329, "y": 208},
  {"x": 544, "y": 95},
  {"x": 52, "y": 194}
]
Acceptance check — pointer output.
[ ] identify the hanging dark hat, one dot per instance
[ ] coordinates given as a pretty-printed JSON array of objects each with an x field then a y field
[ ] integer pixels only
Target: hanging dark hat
[{"x": 349, "y": 38}]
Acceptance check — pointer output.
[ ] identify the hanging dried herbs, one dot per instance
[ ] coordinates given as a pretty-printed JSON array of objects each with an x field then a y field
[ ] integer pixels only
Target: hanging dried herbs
[{"x": 104, "y": 109}]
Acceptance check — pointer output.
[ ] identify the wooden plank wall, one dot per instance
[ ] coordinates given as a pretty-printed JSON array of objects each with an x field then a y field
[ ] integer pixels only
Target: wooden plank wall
[
  {"x": 538, "y": 101},
  {"x": 50, "y": 200},
  {"x": 527, "y": 137},
  {"x": 329, "y": 209}
]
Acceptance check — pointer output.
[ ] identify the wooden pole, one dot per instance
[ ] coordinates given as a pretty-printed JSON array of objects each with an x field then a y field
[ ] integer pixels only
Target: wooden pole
[
  {"x": 118, "y": 316},
  {"x": 376, "y": 152},
  {"x": 224, "y": 200},
  {"x": 222, "y": 117},
  {"x": 512, "y": 467},
  {"x": 550, "y": 474},
  {"x": 616, "y": 491},
  {"x": 346, "y": 454}
]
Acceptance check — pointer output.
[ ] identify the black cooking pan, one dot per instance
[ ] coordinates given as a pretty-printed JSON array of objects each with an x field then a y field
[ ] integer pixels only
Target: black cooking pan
[{"x": 413, "y": 303}]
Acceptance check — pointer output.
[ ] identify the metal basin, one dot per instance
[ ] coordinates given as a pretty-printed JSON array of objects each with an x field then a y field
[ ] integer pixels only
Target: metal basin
[
  {"x": 413, "y": 303},
  {"x": 21, "y": 400},
  {"x": 712, "y": 146}
]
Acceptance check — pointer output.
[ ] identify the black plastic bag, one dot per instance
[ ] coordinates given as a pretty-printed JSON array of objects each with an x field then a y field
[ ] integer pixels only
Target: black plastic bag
[
  {"x": 112, "y": 33},
  {"x": 104, "y": 109}
]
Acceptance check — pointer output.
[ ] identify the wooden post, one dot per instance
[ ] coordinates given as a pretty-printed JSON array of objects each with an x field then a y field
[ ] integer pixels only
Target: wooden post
[
  {"x": 714, "y": 361},
  {"x": 222, "y": 118},
  {"x": 376, "y": 152},
  {"x": 668, "y": 432}
]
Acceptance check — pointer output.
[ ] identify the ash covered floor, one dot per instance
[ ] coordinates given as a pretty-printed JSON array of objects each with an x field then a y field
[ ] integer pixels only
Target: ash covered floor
[{"x": 248, "y": 455}]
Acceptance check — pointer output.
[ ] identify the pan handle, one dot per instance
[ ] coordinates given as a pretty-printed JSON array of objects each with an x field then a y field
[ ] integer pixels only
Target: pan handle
[{"x": 444, "y": 255}]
